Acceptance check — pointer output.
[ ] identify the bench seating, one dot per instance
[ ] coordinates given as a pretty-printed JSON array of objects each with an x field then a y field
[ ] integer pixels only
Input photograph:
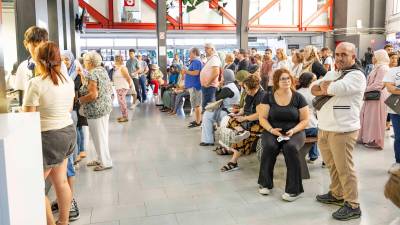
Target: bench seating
[{"x": 305, "y": 173}]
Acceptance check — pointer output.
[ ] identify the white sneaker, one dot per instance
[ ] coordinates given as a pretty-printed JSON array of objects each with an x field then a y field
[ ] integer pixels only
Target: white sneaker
[
  {"x": 264, "y": 191},
  {"x": 290, "y": 197},
  {"x": 395, "y": 167},
  {"x": 240, "y": 137}
]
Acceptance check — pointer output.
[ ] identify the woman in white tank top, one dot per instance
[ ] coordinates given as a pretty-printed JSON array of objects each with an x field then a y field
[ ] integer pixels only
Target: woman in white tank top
[{"x": 122, "y": 82}]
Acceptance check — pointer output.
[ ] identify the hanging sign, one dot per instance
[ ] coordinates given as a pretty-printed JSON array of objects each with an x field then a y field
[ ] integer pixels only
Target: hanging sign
[{"x": 129, "y": 3}]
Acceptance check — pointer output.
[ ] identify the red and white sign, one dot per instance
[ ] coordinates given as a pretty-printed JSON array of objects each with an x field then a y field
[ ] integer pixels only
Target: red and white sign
[{"x": 129, "y": 2}]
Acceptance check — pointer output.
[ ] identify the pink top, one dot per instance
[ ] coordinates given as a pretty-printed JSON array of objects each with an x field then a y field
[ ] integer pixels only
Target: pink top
[{"x": 205, "y": 73}]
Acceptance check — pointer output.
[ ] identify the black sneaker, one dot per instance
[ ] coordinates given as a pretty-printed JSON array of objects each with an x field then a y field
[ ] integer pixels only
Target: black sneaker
[
  {"x": 329, "y": 199},
  {"x": 54, "y": 207},
  {"x": 194, "y": 125},
  {"x": 346, "y": 212},
  {"x": 74, "y": 211}
]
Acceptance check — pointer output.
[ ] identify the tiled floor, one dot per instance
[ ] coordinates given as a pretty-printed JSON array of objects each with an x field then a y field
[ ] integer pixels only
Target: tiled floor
[{"x": 161, "y": 176}]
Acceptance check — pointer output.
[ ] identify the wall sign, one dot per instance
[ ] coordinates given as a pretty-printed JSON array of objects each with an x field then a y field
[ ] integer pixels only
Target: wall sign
[
  {"x": 295, "y": 46},
  {"x": 129, "y": 2}
]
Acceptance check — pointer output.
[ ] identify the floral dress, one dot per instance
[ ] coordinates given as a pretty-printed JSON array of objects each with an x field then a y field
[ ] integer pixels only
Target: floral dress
[{"x": 103, "y": 104}]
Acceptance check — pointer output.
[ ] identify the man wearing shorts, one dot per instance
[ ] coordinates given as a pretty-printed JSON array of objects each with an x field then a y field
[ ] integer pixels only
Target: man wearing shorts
[{"x": 192, "y": 83}]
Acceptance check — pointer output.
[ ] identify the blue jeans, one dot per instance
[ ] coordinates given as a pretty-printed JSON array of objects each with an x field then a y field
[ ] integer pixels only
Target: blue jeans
[
  {"x": 312, "y": 132},
  {"x": 70, "y": 166},
  {"x": 396, "y": 128},
  {"x": 142, "y": 81},
  {"x": 207, "y": 125},
  {"x": 208, "y": 95},
  {"x": 80, "y": 139}
]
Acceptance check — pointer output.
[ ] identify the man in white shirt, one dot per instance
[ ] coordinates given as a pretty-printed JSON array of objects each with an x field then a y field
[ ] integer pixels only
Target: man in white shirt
[
  {"x": 326, "y": 59},
  {"x": 338, "y": 124},
  {"x": 209, "y": 75}
]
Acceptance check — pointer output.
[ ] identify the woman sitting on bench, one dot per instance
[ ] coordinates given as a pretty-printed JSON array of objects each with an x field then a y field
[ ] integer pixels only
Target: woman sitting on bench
[
  {"x": 284, "y": 116},
  {"x": 303, "y": 88}
]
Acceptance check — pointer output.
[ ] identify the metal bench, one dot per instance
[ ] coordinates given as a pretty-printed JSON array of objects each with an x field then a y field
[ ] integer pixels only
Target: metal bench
[{"x": 305, "y": 173}]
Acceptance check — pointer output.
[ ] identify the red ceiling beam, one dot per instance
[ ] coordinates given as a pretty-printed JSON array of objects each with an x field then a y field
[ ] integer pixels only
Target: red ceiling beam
[
  {"x": 223, "y": 12},
  {"x": 94, "y": 13},
  {"x": 263, "y": 11},
  {"x": 319, "y": 12},
  {"x": 110, "y": 12},
  {"x": 300, "y": 14},
  {"x": 154, "y": 6}
]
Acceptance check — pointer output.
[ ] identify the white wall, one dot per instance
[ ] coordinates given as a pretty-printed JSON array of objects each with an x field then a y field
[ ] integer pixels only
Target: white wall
[{"x": 10, "y": 46}]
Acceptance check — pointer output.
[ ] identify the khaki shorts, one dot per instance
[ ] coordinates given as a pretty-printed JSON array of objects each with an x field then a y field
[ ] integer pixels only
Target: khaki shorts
[{"x": 195, "y": 97}]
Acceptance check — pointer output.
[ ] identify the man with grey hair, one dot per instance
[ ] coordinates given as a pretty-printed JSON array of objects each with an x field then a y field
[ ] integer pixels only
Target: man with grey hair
[
  {"x": 209, "y": 75},
  {"x": 192, "y": 83},
  {"x": 338, "y": 125}
]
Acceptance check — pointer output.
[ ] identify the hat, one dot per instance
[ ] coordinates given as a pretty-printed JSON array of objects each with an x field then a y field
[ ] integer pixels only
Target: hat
[
  {"x": 229, "y": 76},
  {"x": 241, "y": 75},
  {"x": 154, "y": 67}
]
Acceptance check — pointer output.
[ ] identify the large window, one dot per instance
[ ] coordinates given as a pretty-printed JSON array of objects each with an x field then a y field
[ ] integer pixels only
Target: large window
[{"x": 396, "y": 7}]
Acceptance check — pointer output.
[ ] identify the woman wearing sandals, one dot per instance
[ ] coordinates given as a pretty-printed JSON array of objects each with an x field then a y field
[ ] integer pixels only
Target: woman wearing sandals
[
  {"x": 52, "y": 94},
  {"x": 123, "y": 82},
  {"x": 96, "y": 104},
  {"x": 245, "y": 124}
]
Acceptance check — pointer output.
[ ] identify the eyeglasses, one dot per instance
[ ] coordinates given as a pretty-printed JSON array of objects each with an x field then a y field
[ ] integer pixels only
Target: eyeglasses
[{"x": 284, "y": 78}]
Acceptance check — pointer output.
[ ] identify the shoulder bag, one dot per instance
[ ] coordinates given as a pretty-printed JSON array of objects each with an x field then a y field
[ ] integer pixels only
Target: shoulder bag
[
  {"x": 372, "y": 95},
  {"x": 320, "y": 101}
]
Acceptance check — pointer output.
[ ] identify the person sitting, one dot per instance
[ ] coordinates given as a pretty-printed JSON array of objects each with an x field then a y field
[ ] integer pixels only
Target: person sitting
[
  {"x": 229, "y": 95},
  {"x": 173, "y": 78},
  {"x": 156, "y": 78},
  {"x": 303, "y": 88},
  {"x": 245, "y": 123},
  {"x": 284, "y": 116}
]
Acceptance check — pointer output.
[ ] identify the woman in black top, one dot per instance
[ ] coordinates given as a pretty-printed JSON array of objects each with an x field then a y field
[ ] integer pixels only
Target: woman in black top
[
  {"x": 284, "y": 115},
  {"x": 245, "y": 123}
]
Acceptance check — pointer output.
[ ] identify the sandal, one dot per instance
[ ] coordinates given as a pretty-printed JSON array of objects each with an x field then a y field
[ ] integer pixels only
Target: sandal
[
  {"x": 93, "y": 163},
  {"x": 230, "y": 166},
  {"x": 62, "y": 223},
  {"x": 222, "y": 151},
  {"x": 101, "y": 168}
]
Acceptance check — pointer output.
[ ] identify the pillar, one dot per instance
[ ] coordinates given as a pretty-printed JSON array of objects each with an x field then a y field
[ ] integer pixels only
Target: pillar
[
  {"x": 162, "y": 35},
  {"x": 3, "y": 99},
  {"x": 242, "y": 20}
]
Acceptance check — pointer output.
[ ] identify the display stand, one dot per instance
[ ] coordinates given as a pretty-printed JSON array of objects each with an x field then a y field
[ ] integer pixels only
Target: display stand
[{"x": 21, "y": 170}]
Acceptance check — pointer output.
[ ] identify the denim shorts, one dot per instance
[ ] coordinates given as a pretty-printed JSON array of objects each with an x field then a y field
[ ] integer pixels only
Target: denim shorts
[{"x": 195, "y": 97}]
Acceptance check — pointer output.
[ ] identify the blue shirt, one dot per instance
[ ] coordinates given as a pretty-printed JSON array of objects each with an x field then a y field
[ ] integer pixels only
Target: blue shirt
[
  {"x": 173, "y": 78},
  {"x": 194, "y": 81}
]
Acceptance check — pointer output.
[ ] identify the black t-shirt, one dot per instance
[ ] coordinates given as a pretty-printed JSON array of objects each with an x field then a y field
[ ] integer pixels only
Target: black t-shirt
[
  {"x": 284, "y": 117},
  {"x": 251, "y": 102},
  {"x": 318, "y": 69},
  {"x": 368, "y": 58},
  {"x": 243, "y": 65}
]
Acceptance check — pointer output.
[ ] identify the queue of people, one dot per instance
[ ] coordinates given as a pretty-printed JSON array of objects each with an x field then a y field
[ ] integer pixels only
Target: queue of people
[{"x": 250, "y": 98}]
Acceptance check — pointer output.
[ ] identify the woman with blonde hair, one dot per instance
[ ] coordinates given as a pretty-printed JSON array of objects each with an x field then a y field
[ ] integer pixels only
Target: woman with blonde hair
[
  {"x": 311, "y": 62},
  {"x": 229, "y": 62},
  {"x": 282, "y": 60},
  {"x": 123, "y": 83},
  {"x": 374, "y": 111},
  {"x": 297, "y": 64}
]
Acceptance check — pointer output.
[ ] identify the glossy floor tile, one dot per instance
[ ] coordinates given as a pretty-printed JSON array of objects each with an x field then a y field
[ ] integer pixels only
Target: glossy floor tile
[{"x": 161, "y": 176}]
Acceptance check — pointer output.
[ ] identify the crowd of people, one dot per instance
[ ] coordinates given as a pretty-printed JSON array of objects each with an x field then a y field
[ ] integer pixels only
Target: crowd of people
[
  {"x": 270, "y": 99},
  {"x": 279, "y": 101}
]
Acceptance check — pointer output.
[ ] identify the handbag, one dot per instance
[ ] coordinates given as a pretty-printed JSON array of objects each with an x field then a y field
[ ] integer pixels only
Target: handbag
[
  {"x": 372, "y": 95},
  {"x": 320, "y": 101},
  {"x": 393, "y": 102},
  {"x": 212, "y": 106}
]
